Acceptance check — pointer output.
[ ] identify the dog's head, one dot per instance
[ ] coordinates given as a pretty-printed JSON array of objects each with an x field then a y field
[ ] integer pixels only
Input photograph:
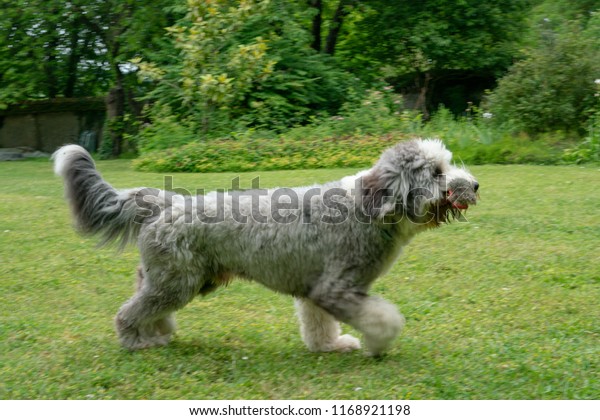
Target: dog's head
[{"x": 417, "y": 180}]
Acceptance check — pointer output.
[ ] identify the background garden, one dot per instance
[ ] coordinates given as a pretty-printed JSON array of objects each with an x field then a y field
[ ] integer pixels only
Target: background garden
[
  {"x": 271, "y": 84},
  {"x": 298, "y": 92},
  {"x": 502, "y": 307}
]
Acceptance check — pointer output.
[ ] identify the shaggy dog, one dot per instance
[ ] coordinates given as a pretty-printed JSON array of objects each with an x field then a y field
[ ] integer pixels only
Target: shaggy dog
[{"x": 324, "y": 245}]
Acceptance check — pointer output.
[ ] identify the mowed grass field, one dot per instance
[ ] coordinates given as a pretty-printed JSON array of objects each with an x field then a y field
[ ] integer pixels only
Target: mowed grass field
[{"x": 506, "y": 306}]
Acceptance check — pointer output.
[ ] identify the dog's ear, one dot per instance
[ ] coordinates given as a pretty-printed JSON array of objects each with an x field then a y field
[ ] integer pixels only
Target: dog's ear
[{"x": 376, "y": 196}]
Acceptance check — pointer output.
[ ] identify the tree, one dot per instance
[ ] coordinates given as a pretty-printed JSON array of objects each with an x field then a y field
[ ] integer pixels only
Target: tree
[
  {"x": 78, "y": 48},
  {"x": 250, "y": 65},
  {"x": 124, "y": 29},
  {"x": 422, "y": 45},
  {"x": 215, "y": 71},
  {"x": 554, "y": 86},
  {"x": 47, "y": 51},
  {"x": 341, "y": 10}
]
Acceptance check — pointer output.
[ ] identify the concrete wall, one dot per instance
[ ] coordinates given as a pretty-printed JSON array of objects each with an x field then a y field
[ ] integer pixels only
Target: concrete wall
[
  {"x": 47, "y": 130},
  {"x": 18, "y": 130}
]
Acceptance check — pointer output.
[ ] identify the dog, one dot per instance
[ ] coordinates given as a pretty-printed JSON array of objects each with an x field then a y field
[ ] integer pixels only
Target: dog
[{"x": 324, "y": 245}]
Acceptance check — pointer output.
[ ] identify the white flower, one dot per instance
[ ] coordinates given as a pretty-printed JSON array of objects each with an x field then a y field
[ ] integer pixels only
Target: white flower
[
  {"x": 597, "y": 81},
  {"x": 487, "y": 115}
]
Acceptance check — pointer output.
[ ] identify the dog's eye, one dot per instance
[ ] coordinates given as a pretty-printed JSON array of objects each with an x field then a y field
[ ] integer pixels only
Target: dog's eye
[{"x": 437, "y": 171}]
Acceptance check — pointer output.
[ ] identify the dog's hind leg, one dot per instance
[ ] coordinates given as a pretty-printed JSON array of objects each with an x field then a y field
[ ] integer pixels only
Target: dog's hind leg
[
  {"x": 320, "y": 331},
  {"x": 147, "y": 319},
  {"x": 377, "y": 319}
]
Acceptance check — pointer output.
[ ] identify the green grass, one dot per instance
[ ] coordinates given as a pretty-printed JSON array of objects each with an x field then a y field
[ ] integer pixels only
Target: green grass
[{"x": 503, "y": 307}]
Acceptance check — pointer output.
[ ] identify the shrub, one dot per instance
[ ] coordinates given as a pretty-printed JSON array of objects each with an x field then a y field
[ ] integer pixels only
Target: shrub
[
  {"x": 355, "y": 139},
  {"x": 476, "y": 139},
  {"x": 245, "y": 66},
  {"x": 166, "y": 131},
  {"x": 589, "y": 149},
  {"x": 553, "y": 86},
  {"x": 229, "y": 155}
]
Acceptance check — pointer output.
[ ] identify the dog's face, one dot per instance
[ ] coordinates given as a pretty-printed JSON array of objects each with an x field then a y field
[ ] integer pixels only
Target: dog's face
[
  {"x": 417, "y": 180},
  {"x": 456, "y": 194}
]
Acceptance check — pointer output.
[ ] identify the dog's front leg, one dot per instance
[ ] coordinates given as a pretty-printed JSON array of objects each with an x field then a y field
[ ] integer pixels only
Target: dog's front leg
[
  {"x": 320, "y": 331},
  {"x": 377, "y": 319}
]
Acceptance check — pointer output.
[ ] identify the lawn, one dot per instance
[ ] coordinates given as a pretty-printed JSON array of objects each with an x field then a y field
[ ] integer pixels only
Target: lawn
[{"x": 506, "y": 306}]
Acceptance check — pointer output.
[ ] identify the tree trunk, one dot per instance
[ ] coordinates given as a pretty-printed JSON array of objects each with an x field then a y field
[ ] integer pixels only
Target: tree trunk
[
  {"x": 50, "y": 59},
  {"x": 136, "y": 107},
  {"x": 72, "y": 62},
  {"x": 421, "y": 102},
  {"x": 52, "y": 88},
  {"x": 316, "y": 24},
  {"x": 336, "y": 25},
  {"x": 115, "y": 100},
  {"x": 115, "y": 110}
]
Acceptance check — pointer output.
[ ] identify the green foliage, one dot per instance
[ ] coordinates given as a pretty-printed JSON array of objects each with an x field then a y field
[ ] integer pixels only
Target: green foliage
[
  {"x": 215, "y": 71},
  {"x": 476, "y": 139},
  {"x": 586, "y": 151},
  {"x": 242, "y": 67},
  {"x": 53, "y": 48},
  {"x": 553, "y": 87},
  {"x": 377, "y": 113},
  {"x": 355, "y": 139},
  {"x": 250, "y": 69},
  {"x": 589, "y": 149},
  {"x": 267, "y": 154},
  {"x": 300, "y": 89},
  {"x": 128, "y": 126},
  {"x": 105, "y": 149},
  {"x": 304, "y": 84},
  {"x": 42, "y": 46},
  {"x": 166, "y": 131},
  {"x": 433, "y": 37}
]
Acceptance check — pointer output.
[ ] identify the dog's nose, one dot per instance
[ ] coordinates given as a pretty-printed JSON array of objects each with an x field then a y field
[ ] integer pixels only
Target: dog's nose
[{"x": 475, "y": 186}]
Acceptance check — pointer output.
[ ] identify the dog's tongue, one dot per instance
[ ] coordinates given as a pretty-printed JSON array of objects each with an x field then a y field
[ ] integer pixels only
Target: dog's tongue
[
  {"x": 457, "y": 205},
  {"x": 460, "y": 206}
]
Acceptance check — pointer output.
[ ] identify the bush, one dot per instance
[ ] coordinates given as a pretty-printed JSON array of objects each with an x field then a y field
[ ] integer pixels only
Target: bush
[
  {"x": 477, "y": 139},
  {"x": 552, "y": 88},
  {"x": 268, "y": 154},
  {"x": 354, "y": 139},
  {"x": 589, "y": 149},
  {"x": 227, "y": 155},
  {"x": 240, "y": 67},
  {"x": 166, "y": 131}
]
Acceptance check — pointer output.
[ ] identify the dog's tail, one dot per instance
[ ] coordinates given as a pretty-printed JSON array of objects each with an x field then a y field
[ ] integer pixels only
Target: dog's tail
[{"x": 97, "y": 207}]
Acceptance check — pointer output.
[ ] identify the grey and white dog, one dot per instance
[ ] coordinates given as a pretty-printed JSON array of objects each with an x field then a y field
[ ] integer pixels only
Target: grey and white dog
[{"x": 325, "y": 245}]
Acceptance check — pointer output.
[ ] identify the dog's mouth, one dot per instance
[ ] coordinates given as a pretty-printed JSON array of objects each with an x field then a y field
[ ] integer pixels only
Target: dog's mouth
[
  {"x": 457, "y": 201},
  {"x": 454, "y": 202},
  {"x": 461, "y": 193},
  {"x": 445, "y": 211}
]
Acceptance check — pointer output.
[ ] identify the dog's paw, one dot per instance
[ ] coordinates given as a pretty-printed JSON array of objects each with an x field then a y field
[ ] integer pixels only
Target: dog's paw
[
  {"x": 156, "y": 334},
  {"x": 346, "y": 343},
  {"x": 140, "y": 342}
]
